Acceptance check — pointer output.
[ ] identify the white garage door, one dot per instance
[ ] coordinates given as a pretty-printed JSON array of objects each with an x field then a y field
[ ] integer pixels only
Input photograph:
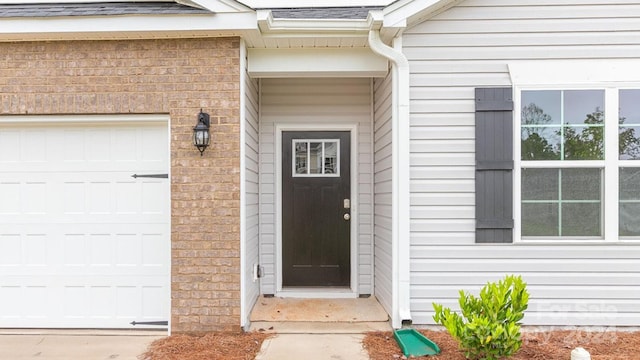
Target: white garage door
[{"x": 82, "y": 243}]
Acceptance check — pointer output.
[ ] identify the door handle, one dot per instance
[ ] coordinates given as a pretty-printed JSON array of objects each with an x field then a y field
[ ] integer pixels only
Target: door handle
[{"x": 347, "y": 217}]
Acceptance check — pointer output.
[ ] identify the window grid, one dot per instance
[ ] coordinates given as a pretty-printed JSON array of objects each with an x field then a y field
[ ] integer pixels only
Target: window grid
[
  {"x": 307, "y": 160},
  {"x": 610, "y": 167}
]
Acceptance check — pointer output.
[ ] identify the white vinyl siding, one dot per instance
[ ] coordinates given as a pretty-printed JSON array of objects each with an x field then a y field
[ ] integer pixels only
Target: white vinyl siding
[
  {"x": 251, "y": 193},
  {"x": 382, "y": 149},
  {"x": 315, "y": 101},
  {"x": 471, "y": 46}
]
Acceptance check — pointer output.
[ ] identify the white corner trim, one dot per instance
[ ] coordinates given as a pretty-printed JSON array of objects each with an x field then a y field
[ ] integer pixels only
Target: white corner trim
[
  {"x": 401, "y": 302},
  {"x": 355, "y": 210},
  {"x": 323, "y": 62},
  {"x": 244, "y": 312},
  {"x": 574, "y": 72}
]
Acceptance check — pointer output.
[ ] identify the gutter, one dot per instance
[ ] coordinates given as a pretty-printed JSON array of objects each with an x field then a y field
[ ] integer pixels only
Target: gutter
[{"x": 400, "y": 242}]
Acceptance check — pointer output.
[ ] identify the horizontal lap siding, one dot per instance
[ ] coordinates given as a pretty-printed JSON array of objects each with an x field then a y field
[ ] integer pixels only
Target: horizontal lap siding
[
  {"x": 382, "y": 199},
  {"x": 252, "y": 203},
  {"x": 315, "y": 101},
  {"x": 470, "y": 46}
]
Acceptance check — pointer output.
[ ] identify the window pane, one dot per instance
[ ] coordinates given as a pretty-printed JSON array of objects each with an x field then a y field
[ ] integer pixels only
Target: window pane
[
  {"x": 583, "y": 107},
  {"x": 629, "y": 215},
  {"x": 630, "y": 184},
  {"x": 629, "y": 144},
  {"x": 581, "y": 219},
  {"x": 581, "y": 184},
  {"x": 540, "y": 143},
  {"x": 630, "y": 106},
  {"x": 301, "y": 157},
  {"x": 584, "y": 143},
  {"x": 540, "y": 184},
  {"x": 629, "y": 208},
  {"x": 540, "y": 219},
  {"x": 330, "y": 157},
  {"x": 541, "y": 107},
  {"x": 315, "y": 158}
]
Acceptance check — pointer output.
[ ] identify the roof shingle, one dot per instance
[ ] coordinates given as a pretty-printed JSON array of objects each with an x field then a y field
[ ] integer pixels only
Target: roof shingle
[
  {"x": 324, "y": 12},
  {"x": 97, "y": 9}
]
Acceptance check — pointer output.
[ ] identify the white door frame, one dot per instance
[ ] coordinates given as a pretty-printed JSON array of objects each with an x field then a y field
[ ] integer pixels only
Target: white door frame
[{"x": 318, "y": 292}]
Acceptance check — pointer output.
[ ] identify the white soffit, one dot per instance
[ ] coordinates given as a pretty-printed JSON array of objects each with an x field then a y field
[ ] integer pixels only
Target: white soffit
[{"x": 326, "y": 62}]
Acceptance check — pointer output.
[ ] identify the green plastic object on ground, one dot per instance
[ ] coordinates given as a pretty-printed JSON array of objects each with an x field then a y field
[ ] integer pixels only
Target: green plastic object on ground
[{"x": 414, "y": 343}]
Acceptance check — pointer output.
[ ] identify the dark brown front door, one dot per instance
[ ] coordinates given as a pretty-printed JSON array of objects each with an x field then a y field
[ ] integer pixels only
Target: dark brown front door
[{"x": 316, "y": 208}]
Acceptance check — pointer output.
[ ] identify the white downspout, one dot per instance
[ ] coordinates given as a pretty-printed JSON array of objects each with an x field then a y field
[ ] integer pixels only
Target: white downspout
[{"x": 400, "y": 241}]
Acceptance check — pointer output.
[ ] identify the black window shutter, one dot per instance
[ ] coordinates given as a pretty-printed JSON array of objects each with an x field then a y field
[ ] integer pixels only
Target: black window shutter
[{"x": 494, "y": 165}]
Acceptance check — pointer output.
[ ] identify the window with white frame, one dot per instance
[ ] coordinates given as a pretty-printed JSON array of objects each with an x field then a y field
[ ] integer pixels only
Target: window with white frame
[
  {"x": 315, "y": 158},
  {"x": 575, "y": 153}
]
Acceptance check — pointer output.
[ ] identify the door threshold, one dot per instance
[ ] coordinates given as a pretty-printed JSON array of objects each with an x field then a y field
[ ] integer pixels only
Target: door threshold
[{"x": 317, "y": 293}]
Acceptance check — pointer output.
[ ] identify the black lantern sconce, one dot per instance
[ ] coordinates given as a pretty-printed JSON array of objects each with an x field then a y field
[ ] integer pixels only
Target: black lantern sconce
[{"x": 201, "y": 132}]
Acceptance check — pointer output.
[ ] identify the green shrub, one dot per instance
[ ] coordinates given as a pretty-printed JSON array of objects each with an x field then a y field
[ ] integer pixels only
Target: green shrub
[{"x": 489, "y": 328}]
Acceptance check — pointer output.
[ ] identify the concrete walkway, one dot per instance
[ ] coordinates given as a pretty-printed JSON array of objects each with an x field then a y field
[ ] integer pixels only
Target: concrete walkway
[
  {"x": 71, "y": 346},
  {"x": 313, "y": 347},
  {"x": 315, "y": 340}
]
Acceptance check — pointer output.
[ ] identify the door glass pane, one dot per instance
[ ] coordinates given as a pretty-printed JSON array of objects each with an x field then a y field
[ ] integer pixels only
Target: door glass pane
[
  {"x": 330, "y": 157},
  {"x": 315, "y": 158},
  {"x": 629, "y": 207},
  {"x": 629, "y": 133},
  {"x": 301, "y": 157}
]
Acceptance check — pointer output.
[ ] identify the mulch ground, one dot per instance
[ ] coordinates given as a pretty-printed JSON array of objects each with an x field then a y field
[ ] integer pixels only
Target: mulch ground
[
  {"x": 212, "y": 346},
  {"x": 548, "y": 345}
]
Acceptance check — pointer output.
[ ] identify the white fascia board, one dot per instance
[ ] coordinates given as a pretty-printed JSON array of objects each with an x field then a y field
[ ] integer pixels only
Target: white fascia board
[
  {"x": 405, "y": 12},
  {"x": 574, "y": 72},
  {"x": 108, "y": 27},
  {"x": 325, "y": 62}
]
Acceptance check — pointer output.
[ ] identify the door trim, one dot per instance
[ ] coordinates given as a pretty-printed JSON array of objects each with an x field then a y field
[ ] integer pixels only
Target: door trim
[{"x": 355, "y": 211}]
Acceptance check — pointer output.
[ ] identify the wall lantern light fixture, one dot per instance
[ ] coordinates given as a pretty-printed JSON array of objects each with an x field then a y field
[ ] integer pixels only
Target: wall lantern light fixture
[{"x": 201, "y": 132}]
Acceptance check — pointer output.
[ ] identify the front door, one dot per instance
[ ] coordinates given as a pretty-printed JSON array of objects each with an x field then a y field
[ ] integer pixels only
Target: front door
[{"x": 316, "y": 208}]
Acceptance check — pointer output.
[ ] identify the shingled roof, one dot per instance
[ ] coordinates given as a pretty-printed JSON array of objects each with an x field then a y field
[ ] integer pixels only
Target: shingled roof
[
  {"x": 324, "y": 13},
  {"x": 97, "y": 9}
]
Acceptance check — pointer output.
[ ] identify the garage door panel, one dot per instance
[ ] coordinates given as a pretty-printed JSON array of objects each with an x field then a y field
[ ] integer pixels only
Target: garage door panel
[
  {"x": 130, "y": 251},
  {"x": 82, "y": 243}
]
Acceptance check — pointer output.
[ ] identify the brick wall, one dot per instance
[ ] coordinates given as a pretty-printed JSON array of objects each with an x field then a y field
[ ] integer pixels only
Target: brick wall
[{"x": 176, "y": 77}]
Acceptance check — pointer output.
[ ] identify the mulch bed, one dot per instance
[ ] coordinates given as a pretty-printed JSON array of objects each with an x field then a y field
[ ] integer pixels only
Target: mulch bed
[
  {"x": 212, "y": 346},
  {"x": 547, "y": 345}
]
